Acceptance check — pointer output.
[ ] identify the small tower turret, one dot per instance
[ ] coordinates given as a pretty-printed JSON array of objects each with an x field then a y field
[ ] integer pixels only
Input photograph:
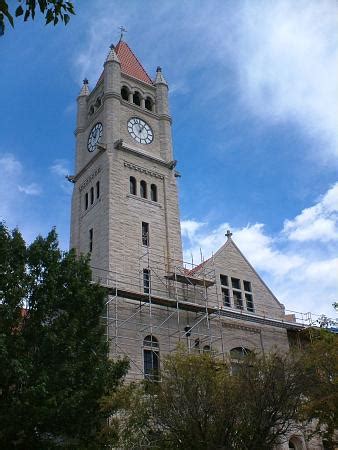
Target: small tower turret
[
  {"x": 112, "y": 88},
  {"x": 162, "y": 108}
]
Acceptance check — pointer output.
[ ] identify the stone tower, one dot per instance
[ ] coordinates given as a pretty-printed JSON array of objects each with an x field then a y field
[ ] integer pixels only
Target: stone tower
[{"x": 125, "y": 203}]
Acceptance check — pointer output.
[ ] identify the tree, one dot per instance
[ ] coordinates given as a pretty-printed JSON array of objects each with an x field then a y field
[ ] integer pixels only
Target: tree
[
  {"x": 199, "y": 404},
  {"x": 320, "y": 363},
  {"x": 54, "y": 368},
  {"x": 52, "y": 10}
]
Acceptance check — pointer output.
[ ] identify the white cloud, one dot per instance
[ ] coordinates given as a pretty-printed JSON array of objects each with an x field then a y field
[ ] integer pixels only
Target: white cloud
[
  {"x": 303, "y": 274},
  {"x": 11, "y": 192},
  {"x": 287, "y": 55},
  {"x": 283, "y": 55},
  {"x": 319, "y": 222},
  {"x": 60, "y": 168},
  {"x": 30, "y": 189}
]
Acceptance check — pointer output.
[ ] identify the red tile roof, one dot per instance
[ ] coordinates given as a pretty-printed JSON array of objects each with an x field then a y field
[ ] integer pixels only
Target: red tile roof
[{"x": 130, "y": 65}]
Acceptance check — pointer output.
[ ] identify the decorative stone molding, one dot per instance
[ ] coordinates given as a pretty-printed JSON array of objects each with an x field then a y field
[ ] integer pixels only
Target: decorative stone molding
[
  {"x": 90, "y": 178},
  {"x": 241, "y": 327},
  {"x": 143, "y": 170}
]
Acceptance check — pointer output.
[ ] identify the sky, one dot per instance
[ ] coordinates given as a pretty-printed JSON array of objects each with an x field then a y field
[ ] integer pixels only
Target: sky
[{"x": 253, "y": 96}]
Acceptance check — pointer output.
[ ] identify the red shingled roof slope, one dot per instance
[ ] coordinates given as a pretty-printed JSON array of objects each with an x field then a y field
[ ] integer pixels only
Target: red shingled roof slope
[{"x": 130, "y": 65}]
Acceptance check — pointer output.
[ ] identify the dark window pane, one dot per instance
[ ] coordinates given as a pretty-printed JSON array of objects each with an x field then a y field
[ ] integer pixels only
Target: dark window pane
[
  {"x": 238, "y": 301},
  {"x": 226, "y": 297},
  {"x": 97, "y": 189},
  {"x": 247, "y": 286},
  {"x": 224, "y": 280},
  {"x": 91, "y": 195},
  {"x": 249, "y": 302},
  {"x": 151, "y": 364},
  {"x": 86, "y": 200},
  {"x": 153, "y": 192},
  {"x": 148, "y": 104},
  {"x": 235, "y": 282},
  {"x": 137, "y": 99},
  {"x": 146, "y": 281},
  {"x": 132, "y": 185},
  {"x": 145, "y": 234},
  {"x": 91, "y": 235},
  {"x": 143, "y": 189},
  {"x": 125, "y": 93}
]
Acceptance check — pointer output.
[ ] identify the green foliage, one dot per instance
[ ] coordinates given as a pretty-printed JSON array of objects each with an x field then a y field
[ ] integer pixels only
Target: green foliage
[
  {"x": 320, "y": 367},
  {"x": 52, "y": 10},
  {"x": 54, "y": 368},
  {"x": 199, "y": 404}
]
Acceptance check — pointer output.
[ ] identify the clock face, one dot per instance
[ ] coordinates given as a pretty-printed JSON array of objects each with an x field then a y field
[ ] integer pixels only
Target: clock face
[
  {"x": 140, "y": 130},
  {"x": 94, "y": 136}
]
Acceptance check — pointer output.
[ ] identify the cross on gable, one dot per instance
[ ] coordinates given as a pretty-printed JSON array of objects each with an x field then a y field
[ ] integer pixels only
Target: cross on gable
[{"x": 228, "y": 234}]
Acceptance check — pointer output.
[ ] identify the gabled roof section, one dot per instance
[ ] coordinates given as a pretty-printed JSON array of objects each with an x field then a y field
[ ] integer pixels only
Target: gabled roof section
[{"x": 130, "y": 65}]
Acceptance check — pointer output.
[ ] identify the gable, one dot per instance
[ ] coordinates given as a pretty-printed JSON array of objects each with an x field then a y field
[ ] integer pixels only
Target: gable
[{"x": 230, "y": 262}]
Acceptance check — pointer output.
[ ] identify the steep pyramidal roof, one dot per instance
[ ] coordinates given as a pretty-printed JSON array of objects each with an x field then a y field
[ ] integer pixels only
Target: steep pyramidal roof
[{"x": 130, "y": 65}]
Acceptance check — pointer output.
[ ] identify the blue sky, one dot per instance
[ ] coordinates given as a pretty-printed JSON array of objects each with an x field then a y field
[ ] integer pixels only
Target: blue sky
[{"x": 253, "y": 97}]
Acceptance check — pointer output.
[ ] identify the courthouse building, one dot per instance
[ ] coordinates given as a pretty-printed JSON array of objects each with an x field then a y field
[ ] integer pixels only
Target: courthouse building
[{"x": 125, "y": 212}]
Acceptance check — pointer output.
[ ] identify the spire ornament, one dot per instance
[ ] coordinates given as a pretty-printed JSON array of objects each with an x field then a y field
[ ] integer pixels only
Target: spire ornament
[{"x": 228, "y": 234}]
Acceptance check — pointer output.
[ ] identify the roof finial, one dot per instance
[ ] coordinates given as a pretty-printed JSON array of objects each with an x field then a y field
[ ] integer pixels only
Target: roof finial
[
  {"x": 123, "y": 30},
  {"x": 228, "y": 234},
  {"x": 85, "y": 88}
]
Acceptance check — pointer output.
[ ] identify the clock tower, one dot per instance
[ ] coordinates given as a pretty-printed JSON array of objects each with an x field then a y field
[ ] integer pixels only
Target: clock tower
[{"x": 125, "y": 203}]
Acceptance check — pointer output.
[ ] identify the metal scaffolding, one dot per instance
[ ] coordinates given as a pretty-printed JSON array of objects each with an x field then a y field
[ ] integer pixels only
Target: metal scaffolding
[{"x": 178, "y": 302}]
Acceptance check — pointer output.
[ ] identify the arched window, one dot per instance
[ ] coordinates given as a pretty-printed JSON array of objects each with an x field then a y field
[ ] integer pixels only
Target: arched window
[
  {"x": 91, "y": 110},
  {"x": 91, "y": 195},
  {"x": 132, "y": 186},
  {"x": 206, "y": 349},
  {"x": 98, "y": 102},
  {"x": 137, "y": 98},
  {"x": 237, "y": 355},
  {"x": 295, "y": 443},
  {"x": 97, "y": 189},
  {"x": 125, "y": 93},
  {"x": 148, "y": 104},
  {"x": 153, "y": 192},
  {"x": 143, "y": 189},
  {"x": 151, "y": 358}
]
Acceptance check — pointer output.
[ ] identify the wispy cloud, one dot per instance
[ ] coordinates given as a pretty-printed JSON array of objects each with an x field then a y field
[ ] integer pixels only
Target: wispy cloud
[
  {"x": 60, "y": 169},
  {"x": 30, "y": 189},
  {"x": 303, "y": 273},
  {"x": 282, "y": 54}
]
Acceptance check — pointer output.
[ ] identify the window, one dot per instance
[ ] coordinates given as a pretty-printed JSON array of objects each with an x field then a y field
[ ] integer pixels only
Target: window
[
  {"x": 98, "y": 102},
  {"x": 206, "y": 349},
  {"x": 235, "y": 283},
  {"x": 151, "y": 358},
  {"x": 91, "y": 235},
  {"x": 91, "y": 110},
  {"x": 237, "y": 355},
  {"x": 249, "y": 302},
  {"x": 86, "y": 200},
  {"x": 148, "y": 104},
  {"x": 145, "y": 234},
  {"x": 132, "y": 186},
  {"x": 146, "y": 281},
  {"x": 143, "y": 189},
  {"x": 91, "y": 195},
  {"x": 226, "y": 297},
  {"x": 137, "y": 98},
  {"x": 97, "y": 189},
  {"x": 153, "y": 192},
  {"x": 224, "y": 280},
  {"x": 247, "y": 286},
  {"x": 125, "y": 93},
  {"x": 238, "y": 301}
]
